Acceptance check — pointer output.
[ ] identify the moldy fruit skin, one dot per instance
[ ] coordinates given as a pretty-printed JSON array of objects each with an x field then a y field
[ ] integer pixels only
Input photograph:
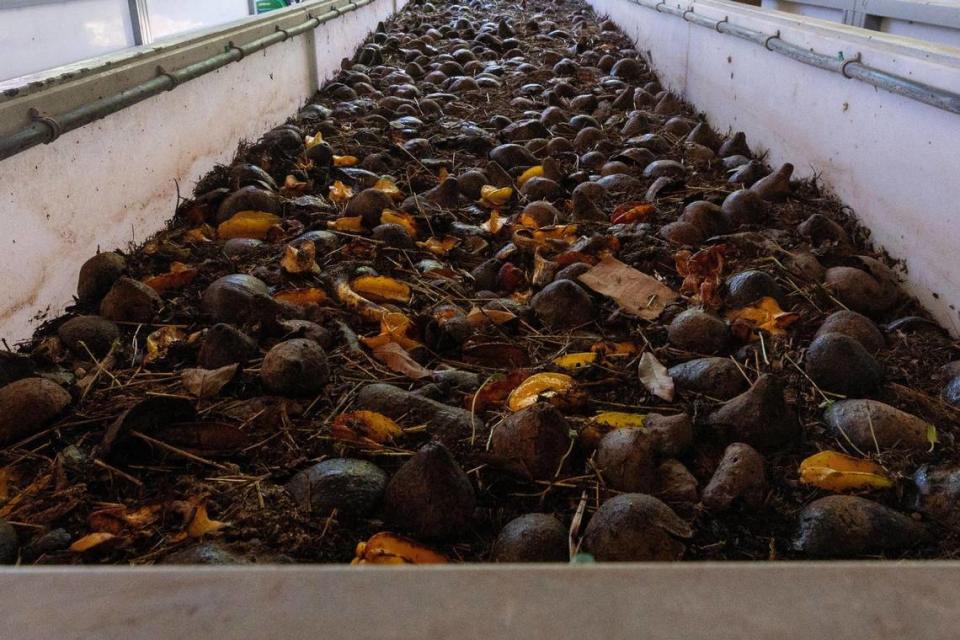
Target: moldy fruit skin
[
  {"x": 296, "y": 367},
  {"x": 533, "y": 441},
  {"x": 857, "y": 326},
  {"x": 625, "y": 458},
  {"x": 235, "y": 298},
  {"x": 352, "y": 487},
  {"x": 98, "y": 274},
  {"x": 563, "y": 304},
  {"x": 699, "y": 331},
  {"x": 716, "y": 377},
  {"x": 635, "y": 527},
  {"x": 859, "y": 290},
  {"x": 852, "y": 527},
  {"x": 759, "y": 416},
  {"x": 130, "y": 301},
  {"x": 26, "y": 405},
  {"x": 534, "y": 537},
  {"x": 841, "y": 364},
  {"x": 740, "y": 476},
  {"x": 430, "y": 496},
  {"x": 91, "y": 333},
  {"x": 870, "y": 424}
]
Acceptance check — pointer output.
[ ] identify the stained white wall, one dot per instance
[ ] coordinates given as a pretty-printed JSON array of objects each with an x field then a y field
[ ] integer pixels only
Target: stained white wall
[
  {"x": 895, "y": 161},
  {"x": 112, "y": 182}
]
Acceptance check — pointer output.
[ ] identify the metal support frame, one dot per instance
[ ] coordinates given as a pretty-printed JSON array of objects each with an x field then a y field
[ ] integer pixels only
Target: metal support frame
[
  {"x": 140, "y": 22},
  {"x": 862, "y": 20}
]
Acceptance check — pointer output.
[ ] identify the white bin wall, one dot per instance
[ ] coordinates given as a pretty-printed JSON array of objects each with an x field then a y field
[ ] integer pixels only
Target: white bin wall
[
  {"x": 895, "y": 161},
  {"x": 113, "y": 182}
]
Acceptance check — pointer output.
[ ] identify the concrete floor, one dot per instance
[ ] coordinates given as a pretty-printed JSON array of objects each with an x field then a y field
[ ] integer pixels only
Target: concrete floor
[{"x": 783, "y": 601}]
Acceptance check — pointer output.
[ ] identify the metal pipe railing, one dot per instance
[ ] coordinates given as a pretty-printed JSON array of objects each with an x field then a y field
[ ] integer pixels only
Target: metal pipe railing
[
  {"x": 47, "y": 128},
  {"x": 852, "y": 68}
]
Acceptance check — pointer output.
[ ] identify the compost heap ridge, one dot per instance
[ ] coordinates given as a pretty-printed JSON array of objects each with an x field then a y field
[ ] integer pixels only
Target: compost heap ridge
[{"x": 492, "y": 295}]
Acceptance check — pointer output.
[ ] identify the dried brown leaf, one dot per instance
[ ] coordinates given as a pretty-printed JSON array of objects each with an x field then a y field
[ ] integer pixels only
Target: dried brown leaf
[
  {"x": 203, "y": 437},
  {"x": 653, "y": 376},
  {"x": 204, "y": 383},
  {"x": 635, "y": 292},
  {"x": 396, "y": 359}
]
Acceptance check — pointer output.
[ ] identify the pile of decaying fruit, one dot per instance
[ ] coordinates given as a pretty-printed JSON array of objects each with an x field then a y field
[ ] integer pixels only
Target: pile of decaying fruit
[{"x": 494, "y": 294}]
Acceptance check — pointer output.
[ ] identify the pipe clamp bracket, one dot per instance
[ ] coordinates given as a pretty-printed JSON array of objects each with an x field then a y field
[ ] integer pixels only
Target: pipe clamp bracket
[
  {"x": 174, "y": 81},
  {"x": 56, "y": 129},
  {"x": 843, "y": 67},
  {"x": 766, "y": 42},
  {"x": 231, "y": 45}
]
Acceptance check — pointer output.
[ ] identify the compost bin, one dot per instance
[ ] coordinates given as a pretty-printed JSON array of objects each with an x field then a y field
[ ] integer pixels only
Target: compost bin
[{"x": 519, "y": 283}]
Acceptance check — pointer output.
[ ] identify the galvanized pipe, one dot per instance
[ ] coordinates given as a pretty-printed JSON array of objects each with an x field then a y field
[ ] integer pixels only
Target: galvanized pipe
[
  {"x": 741, "y": 32},
  {"x": 902, "y": 86},
  {"x": 47, "y": 128},
  {"x": 852, "y": 68},
  {"x": 806, "y": 56}
]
